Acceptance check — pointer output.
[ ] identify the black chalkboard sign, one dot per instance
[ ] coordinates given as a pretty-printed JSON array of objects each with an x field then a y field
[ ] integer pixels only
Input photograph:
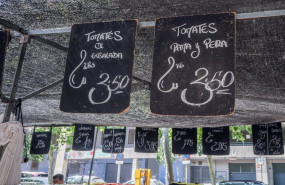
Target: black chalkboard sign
[
  {"x": 83, "y": 137},
  {"x": 184, "y": 140},
  {"x": 216, "y": 141},
  {"x": 114, "y": 140},
  {"x": 146, "y": 140},
  {"x": 98, "y": 73},
  {"x": 194, "y": 65},
  {"x": 267, "y": 139},
  {"x": 40, "y": 143},
  {"x": 4, "y": 40}
]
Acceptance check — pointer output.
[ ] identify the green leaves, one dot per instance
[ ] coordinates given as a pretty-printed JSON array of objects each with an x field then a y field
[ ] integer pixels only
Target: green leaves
[
  {"x": 199, "y": 141},
  {"x": 160, "y": 154},
  {"x": 62, "y": 134},
  {"x": 238, "y": 132}
]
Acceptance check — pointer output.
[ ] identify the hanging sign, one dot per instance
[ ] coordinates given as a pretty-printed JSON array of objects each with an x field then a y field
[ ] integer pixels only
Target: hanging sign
[
  {"x": 267, "y": 139},
  {"x": 184, "y": 140},
  {"x": 40, "y": 142},
  {"x": 194, "y": 65},
  {"x": 98, "y": 73},
  {"x": 114, "y": 140},
  {"x": 4, "y": 40},
  {"x": 83, "y": 137},
  {"x": 216, "y": 141},
  {"x": 146, "y": 140}
]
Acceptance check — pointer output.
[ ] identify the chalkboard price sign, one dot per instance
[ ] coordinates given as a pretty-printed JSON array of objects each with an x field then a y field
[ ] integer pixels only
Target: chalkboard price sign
[
  {"x": 114, "y": 140},
  {"x": 98, "y": 73},
  {"x": 40, "y": 143},
  {"x": 146, "y": 140},
  {"x": 267, "y": 139},
  {"x": 83, "y": 137},
  {"x": 194, "y": 65},
  {"x": 184, "y": 141},
  {"x": 216, "y": 141},
  {"x": 4, "y": 40}
]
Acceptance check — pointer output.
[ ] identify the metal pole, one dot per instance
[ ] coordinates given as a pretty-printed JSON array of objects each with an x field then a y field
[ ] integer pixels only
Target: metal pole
[
  {"x": 119, "y": 173},
  {"x": 41, "y": 90},
  {"x": 94, "y": 146},
  {"x": 143, "y": 24},
  {"x": 186, "y": 173},
  {"x": 50, "y": 43},
  {"x": 24, "y": 40}
]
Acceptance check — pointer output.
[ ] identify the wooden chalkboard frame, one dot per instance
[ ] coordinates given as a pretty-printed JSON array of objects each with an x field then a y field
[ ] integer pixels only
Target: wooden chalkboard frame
[
  {"x": 120, "y": 140},
  {"x": 263, "y": 137},
  {"x": 158, "y": 110},
  {"x": 141, "y": 145},
  {"x": 89, "y": 130},
  {"x": 188, "y": 136},
  {"x": 35, "y": 143},
  {"x": 103, "y": 84},
  {"x": 221, "y": 140}
]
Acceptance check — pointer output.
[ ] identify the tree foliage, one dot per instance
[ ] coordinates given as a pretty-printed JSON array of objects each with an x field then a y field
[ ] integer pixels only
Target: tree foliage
[
  {"x": 237, "y": 132},
  {"x": 63, "y": 135}
]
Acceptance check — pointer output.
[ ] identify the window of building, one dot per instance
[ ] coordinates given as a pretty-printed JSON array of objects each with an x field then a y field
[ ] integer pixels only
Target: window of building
[
  {"x": 242, "y": 167},
  {"x": 200, "y": 174}
]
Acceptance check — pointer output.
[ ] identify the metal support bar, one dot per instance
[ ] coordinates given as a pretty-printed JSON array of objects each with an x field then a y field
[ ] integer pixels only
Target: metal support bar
[
  {"x": 12, "y": 26},
  {"x": 93, "y": 156},
  {"x": 35, "y": 93},
  {"x": 149, "y": 24},
  {"x": 64, "y": 30},
  {"x": 254, "y": 15},
  {"x": 50, "y": 43},
  {"x": 16, "y": 77},
  {"x": 17, "y": 28}
]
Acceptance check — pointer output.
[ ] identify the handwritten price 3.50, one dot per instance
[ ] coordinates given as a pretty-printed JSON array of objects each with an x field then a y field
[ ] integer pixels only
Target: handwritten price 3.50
[
  {"x": 212, "y": 85},
  {"x": 115, "y": 85}
]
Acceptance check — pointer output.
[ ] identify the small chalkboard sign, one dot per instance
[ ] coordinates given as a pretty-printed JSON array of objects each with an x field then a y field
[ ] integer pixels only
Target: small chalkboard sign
[
  {"x": 184, "y": 140},
  {"x": 98, "y": 73},
  {"x": 194, "y": 65},
  {"x": 4, "y": 40},
  {"x": 146, "y": 140},
  {"x": 114, "y": 140},
  {"x": 216, "y": 141},
  {"x": 83, "y": 137},
  {"x": 40, "y": 143},
  {"x": 267, "y": 139}
]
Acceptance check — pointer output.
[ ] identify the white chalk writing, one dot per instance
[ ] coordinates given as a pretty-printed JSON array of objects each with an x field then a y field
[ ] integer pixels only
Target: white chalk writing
[{"x": 197, "y": 29}]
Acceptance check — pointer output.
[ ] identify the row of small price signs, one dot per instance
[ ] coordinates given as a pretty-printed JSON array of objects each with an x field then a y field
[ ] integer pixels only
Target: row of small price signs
[
  {"x": 267, "y": 140},
  {"x": 193, "y": 70}
]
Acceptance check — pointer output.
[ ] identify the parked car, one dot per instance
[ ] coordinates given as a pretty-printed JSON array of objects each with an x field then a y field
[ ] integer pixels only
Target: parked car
[
  {"x": 79, "y": 179},
  {"x": 152, "y": 182},
  {"x": 241, "y": 182},
  {"x": 34, "y": 181},
  {"x": 34, "y": 174}
]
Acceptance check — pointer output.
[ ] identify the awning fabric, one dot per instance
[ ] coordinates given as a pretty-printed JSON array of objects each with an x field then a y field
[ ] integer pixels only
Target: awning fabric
[{"x": 11, "y": 142}]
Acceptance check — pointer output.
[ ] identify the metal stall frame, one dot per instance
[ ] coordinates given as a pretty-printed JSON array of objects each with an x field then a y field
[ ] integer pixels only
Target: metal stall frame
[{"x": 27, "y": 35}]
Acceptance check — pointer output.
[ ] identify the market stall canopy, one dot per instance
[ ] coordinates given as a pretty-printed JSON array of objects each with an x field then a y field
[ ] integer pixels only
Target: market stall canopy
[{"x": 260, "y": 59}]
